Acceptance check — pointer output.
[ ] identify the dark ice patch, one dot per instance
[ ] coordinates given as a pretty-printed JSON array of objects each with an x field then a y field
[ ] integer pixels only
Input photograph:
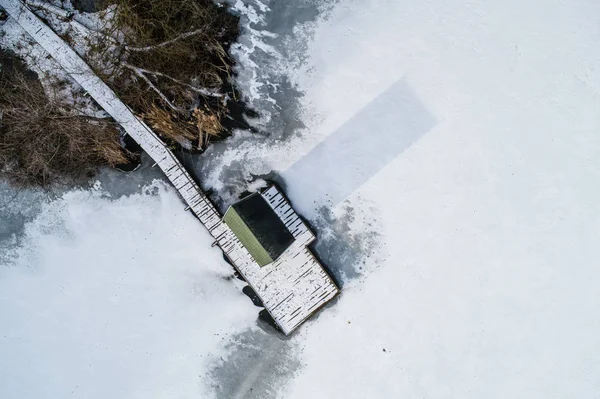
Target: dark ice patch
[{"x": 258, "y": 366}]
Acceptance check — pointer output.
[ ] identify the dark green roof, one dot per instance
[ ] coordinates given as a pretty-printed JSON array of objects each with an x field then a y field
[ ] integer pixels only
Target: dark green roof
[{"x": 258, "y": 228}]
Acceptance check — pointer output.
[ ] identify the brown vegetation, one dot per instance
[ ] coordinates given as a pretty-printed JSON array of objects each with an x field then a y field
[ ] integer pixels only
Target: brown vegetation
[
  {"x": 200, "y": 128},
  {"x": 43, "y": 141},
  {"x": 168, "y": 60}
]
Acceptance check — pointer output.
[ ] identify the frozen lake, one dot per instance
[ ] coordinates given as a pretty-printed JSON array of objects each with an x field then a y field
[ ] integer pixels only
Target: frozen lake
[{"x": 446, "y": 153}]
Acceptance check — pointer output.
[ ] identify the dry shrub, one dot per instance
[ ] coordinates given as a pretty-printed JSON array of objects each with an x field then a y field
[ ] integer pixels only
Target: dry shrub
[
  {"x": 179, "y": 46},
  {"x": 168, "y": 125},
  {"x": 208, "y": 124},
  {"x": 171, "y": 53},
  {"x": 181, "y": 38},
  {"x": 204, "y": 125},
  {"x": 44, "y": 142}
]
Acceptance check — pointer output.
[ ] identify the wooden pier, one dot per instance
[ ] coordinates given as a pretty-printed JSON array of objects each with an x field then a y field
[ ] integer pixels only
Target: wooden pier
[{"x": 292, "y": 287}]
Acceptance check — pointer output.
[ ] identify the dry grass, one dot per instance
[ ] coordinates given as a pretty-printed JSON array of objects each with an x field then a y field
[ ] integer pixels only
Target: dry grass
[
  {"x": 167, "y": 124},
  {"x": 44, "y": 142},
  {"x": 208, "y": 124},
  {"x": 203, "y": 126}
]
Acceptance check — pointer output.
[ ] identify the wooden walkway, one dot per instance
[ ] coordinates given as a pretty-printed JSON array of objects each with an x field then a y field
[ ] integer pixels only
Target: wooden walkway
[{"x": 291, "y": 288}]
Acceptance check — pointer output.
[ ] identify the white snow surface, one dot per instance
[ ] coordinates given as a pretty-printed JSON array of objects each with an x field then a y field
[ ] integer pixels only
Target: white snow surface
[
  {"x": 116, "y": 298},
  {"x": 491, "y": 220}
]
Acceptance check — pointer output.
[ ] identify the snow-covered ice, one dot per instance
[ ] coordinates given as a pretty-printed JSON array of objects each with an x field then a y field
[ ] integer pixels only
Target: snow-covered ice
[
  {"x": 483, "y": 281},
  {"x": 491, "y": 220},
  {"x": 116, "y": 298}
]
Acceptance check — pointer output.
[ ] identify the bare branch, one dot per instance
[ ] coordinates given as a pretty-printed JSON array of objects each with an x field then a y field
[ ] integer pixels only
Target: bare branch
[
  {"x": 167, "y": 43},
  {"x": 204, "y": 92},
  {"x": 141, "y": 73}
]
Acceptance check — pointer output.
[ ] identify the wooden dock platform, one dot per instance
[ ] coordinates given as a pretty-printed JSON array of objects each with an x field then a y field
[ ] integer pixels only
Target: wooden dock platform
[{"x": 294, "y": 286}]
